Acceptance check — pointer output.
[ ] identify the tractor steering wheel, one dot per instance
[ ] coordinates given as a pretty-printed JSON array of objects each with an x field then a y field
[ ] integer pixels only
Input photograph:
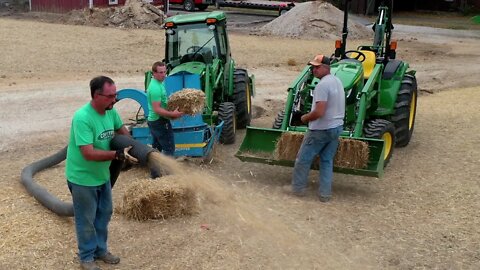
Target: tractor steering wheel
[
  {"x": 193, "y": 49},
  {"x": 359, "y": 55}
]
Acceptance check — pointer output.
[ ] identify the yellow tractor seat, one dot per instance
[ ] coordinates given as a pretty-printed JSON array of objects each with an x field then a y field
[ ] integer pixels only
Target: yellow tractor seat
[{"x": 369, "y": 62}]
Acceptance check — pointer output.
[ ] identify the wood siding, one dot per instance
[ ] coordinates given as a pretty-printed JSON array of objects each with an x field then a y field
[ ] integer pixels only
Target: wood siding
[
  {"x": 61, "y": 6},
  {"x": 58, "y": 5}
]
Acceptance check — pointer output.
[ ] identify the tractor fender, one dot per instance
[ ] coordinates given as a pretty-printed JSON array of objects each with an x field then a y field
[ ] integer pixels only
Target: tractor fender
[
  {"x": 390, "y": 68},
  {"x": 231, "y": 71}
]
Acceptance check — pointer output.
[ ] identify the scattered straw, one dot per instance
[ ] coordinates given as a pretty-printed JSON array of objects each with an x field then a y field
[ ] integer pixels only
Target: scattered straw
[
  {"x": 352, "y": 154},
  {"x": 189, "y": 101},
  {"x": 154, "y": 199}
]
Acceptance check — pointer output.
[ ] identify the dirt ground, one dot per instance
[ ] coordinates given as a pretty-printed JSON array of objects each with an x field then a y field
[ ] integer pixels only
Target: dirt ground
[{"x": 423, "y": 214}]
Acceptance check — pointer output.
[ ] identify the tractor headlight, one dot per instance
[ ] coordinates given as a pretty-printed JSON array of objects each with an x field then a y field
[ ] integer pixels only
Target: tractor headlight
[
  {"x": 170, "y": 31},
  {"x": 211, "y": 27}
]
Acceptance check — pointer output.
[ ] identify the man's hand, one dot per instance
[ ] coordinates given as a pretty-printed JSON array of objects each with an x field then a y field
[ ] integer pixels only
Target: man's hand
[
  {"x": 304, "y": 118},
  {"x": 122, "y": 154},
  {"x": 176, "y": 114}
]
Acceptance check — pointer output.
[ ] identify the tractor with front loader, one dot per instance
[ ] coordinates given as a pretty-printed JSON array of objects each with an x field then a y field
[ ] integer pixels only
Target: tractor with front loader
[
  {"x": 198, "y": 56},
  {"x": 380, "y": 96}
]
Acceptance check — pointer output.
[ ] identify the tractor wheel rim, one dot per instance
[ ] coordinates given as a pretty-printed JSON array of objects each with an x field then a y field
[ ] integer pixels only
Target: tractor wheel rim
[
  {"x": 249, "y": 102},
  {"x": 412, "y": 111},
  {"x": 387, "y": 138}
]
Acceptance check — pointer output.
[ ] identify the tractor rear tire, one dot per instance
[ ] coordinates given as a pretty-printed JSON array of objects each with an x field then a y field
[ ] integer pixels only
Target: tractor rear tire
[
  {"x": 277, "y": 124},
  {"x": 405, "y": 111},
  {"x": 226, "y": 113},
  {"x": 242, "y": 97},
  {"x": 382, "y": 129}
]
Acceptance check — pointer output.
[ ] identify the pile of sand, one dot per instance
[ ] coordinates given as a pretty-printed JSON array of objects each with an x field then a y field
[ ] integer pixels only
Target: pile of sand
[
  {"x": 314, "y": 20},
  {"x": 134, "y": 14}
]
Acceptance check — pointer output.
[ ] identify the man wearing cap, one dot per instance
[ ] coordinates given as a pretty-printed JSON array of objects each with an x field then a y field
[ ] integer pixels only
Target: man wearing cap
[{"x": 325, "y": 123}]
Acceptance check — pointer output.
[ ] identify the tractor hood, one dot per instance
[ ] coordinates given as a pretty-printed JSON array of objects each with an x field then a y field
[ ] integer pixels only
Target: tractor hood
[
  {"x": 190, "y": 67},
  {"x": 348, "y": 72}
]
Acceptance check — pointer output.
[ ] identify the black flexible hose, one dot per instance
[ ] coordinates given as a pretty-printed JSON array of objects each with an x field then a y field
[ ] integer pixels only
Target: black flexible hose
[
  {"x": 139, "y": 150},
  {"x": 48, "y": 200},
  {"x": 59, "y": 207}
]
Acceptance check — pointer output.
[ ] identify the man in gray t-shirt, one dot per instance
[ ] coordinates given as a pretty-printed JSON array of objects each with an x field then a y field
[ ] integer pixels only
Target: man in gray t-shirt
[
  {"x": 329, "y": 91},
  {"x": 325, "y": 124}
]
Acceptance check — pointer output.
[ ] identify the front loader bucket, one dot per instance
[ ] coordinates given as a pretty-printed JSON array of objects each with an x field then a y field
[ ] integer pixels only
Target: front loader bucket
[{"x": 259, "y": 146}]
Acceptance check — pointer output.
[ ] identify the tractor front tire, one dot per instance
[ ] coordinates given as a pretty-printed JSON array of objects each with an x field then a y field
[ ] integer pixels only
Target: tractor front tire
[
  {"x": 405, "y": 111},
  {"x": 242, "y": 97},
  {"x": 384, "y": 130},
  {"x": 226, "y": 113},
  {"x": 277, "y": 124}
]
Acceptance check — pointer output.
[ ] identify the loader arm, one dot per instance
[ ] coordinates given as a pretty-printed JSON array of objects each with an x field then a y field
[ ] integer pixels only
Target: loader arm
[{"x": 365, "y": 97}]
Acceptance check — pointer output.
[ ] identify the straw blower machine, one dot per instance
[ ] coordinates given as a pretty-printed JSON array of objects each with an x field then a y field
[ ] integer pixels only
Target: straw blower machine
[
  {"x": 381, "y": 100},
  {"x": 198, "y": 56}
]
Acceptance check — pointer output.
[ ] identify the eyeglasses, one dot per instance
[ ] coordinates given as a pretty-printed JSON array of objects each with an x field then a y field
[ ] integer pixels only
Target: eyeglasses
[{"x": 109, "y": 96}]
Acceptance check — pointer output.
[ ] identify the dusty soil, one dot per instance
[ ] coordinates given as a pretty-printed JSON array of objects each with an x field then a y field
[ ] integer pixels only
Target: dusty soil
[{"x": 423, "y": 214}]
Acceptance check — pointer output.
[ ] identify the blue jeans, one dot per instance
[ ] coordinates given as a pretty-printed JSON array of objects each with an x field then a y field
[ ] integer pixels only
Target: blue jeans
[
  {"x": 323, "y": 143},
  {"x": 162, "y": 139},
  {"x": 92, "y": 207}
]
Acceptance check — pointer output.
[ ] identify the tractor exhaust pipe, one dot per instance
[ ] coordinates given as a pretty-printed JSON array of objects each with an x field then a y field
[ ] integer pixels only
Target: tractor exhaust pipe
[
  {"x": 59, "y": 207},
  {"x": 340, "y": 52}
]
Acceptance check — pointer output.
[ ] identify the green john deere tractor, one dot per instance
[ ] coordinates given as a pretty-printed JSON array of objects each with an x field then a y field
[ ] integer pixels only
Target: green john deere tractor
[
  {"x": 198, "y": 54},
  {"x": 381, "y": 100}
]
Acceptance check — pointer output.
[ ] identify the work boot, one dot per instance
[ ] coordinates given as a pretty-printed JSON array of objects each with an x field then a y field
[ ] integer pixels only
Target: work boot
[
  {"x": 89, "y": 266},
  {"x": 324, "y": 199},
  {"x": 109, "y": 258},
  {"x": 289, "y": 190}
]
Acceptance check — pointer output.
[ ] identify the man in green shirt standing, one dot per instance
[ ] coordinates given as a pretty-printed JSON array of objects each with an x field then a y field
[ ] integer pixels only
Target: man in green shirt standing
[
  {"x": 158, "y": 115},
  {"x": 87, "y": 170}
]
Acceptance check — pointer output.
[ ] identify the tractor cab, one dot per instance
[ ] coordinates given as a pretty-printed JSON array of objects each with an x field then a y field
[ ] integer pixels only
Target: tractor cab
[
  {"x": 200, "y": 39},
  {"x": 197, "y": 53}
]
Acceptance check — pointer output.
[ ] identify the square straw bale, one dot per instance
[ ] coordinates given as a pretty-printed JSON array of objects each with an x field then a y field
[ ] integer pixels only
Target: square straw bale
[
  {"x": 352, "y": 154},
  {"x": 158, "y": 199}
]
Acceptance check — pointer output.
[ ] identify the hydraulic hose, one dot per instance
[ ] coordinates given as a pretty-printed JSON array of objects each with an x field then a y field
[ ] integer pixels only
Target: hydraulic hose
[{"x": 59, "y": 207}]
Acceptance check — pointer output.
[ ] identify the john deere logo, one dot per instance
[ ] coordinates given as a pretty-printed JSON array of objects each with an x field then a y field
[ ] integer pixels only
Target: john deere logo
[{"x": 107, "y": 134}]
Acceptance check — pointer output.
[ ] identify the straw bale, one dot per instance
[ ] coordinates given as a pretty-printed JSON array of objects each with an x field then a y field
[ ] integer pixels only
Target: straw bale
[
  {"x": 288, "y": 145},
  {"x": 188, "y": 100},
  {"x": 352, "y": 154},
  {"x": 158, "y": 199}
]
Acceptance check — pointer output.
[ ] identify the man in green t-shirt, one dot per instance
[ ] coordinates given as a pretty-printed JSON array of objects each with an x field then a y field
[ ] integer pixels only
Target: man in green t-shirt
[
  {"x": 87, "y": 170},
  {"x": 158, "y": 115}
]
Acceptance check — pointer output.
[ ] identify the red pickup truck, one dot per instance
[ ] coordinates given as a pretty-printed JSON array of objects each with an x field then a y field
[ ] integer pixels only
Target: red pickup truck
[
  {"x": 190, "y": 5},
  {"x": 280, "y": 7}
]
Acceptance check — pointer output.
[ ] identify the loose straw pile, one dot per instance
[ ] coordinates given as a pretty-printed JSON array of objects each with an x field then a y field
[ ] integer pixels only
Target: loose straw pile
[{"x": 189, "y": 101}]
